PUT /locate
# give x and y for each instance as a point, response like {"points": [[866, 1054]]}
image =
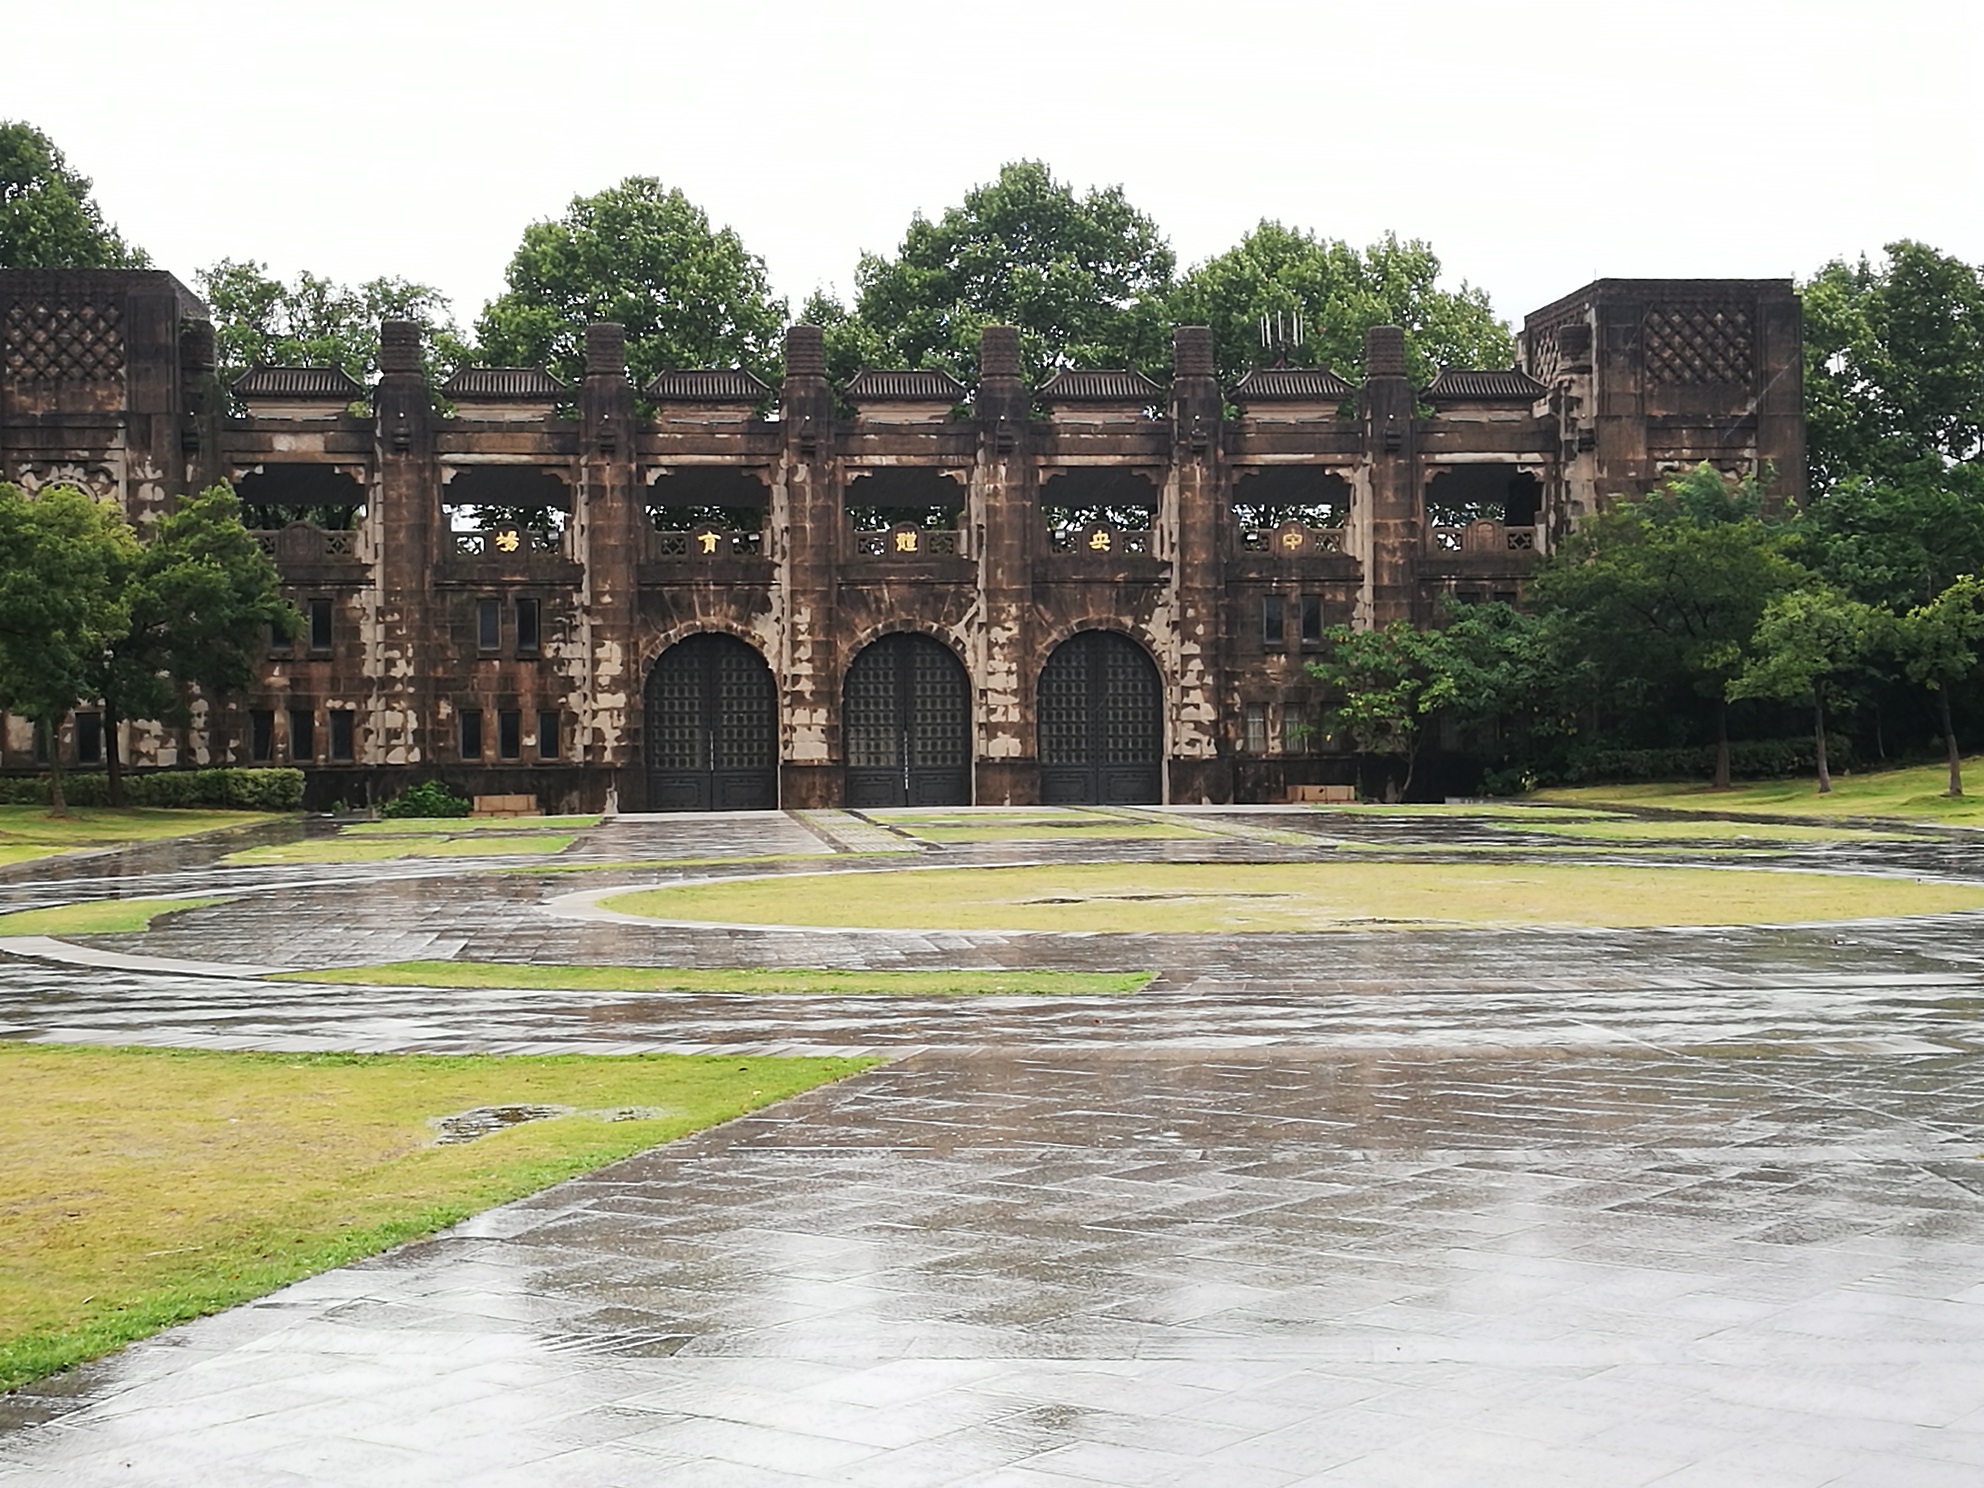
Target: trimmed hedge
{"points": [[429, 798], [1749, 759], [231, 790]]}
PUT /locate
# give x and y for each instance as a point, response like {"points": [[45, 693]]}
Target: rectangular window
{"points": [[527, 627], [261, 734], [471, 733], [547, 736], [89, 738], [488, 625], [1312, 620], [509, 734], [1254, 728], [1274, 622], [1297, 733], [302, 733], [343, 731], [320, 625], [281, 645]]}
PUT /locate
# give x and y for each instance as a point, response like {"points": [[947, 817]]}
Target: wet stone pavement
{"points": [[1691, 1208]]}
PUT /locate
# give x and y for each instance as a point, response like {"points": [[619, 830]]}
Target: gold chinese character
{"points": [[1098, 542], [905, 542], [507, 542], [707, 541], [1291, 540]]}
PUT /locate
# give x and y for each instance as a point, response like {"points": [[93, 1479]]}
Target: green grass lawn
{"points": [[345, 849], [1729, 833], [1914, 794], [97, 916], [1345, 894], [140, 1187], [763, 980], [29, 832]]}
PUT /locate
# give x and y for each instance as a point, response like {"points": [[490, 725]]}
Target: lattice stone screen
{"points": [[63, 340], [1698, 344]]}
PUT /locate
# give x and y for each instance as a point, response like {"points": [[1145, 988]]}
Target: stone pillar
{"points": [[154, 457], [1006, 536], [1193, 522], [404, 525], [604, 519], [807, 523], [1389, 536]]}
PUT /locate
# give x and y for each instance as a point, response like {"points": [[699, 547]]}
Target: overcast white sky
{"points": [[1537, 144]]}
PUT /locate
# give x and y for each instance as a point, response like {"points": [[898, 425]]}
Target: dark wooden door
{"points": [[711, 738], [906, 725], [1101, 723]]}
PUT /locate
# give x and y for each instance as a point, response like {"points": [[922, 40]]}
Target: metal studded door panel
{"points": [[906, 725], [711, 736], [1100, 722]]}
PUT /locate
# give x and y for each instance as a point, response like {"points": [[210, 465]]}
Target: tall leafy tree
{"points": [[1898, 542], [312, 321], [63, 601], [1339, 292], [201, 597], [1807, 642], [48, 218], [1664, 593], [1081, 274], [1894, 366], [1941, 645], [644, 255]]}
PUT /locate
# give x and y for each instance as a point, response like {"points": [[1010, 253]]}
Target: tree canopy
{"points": [[643, 255], [313, 321], [64, 597], [1894, 367], [1339, 292], [1082, 275], [200, 597], [48, 218]]}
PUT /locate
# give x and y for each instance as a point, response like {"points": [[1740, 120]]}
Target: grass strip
{"points": [[383, 849], [775, 981], [99, 916], [1706, 829], [428, 826], [144, 1187], [1914, 794], [1342, 893], [87, 827]]}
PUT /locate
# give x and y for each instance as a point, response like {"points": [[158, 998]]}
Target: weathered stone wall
{"points": [[106, 380]]}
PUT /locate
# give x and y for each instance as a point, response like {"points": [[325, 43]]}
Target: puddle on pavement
{"points": [[483, 1121]]}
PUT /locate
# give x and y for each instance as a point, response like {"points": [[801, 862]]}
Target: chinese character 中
{"points": [[1291, 540]]}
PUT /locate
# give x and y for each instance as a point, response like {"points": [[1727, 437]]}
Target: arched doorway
{"points": [[906, 725], [1101, 723], [711, 741]]}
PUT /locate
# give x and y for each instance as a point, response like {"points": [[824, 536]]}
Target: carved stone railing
{"points": [[301, 543], [1099, 540], [1291, 540], [1482, 538], [507, 542], [703, 544], [905, 541]]}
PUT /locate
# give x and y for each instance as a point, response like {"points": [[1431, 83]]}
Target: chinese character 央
{"points": [[1098, 542], [906, 541]]}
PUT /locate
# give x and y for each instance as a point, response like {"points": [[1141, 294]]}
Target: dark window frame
{"points": [[471, 731], [261, 735], [556, 722], [488, 625], [323, 625], [303, 732], [343, 732], [1312, 620], [1274, 622], [509, 734], [530, 634], [89, 736]]}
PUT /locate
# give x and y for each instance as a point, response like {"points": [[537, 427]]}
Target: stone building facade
{"points": [[707, 593]]}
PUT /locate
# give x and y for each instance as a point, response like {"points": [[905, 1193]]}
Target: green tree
{"points": [[1383, 682], [1807, 642], [646, 257], [1898, 543], [1666, 591], [201, 598], [1894, 366], [1940, 644], [1339, 292], [311, 321], [48, 219], [1082, 276], [63, 601]]}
